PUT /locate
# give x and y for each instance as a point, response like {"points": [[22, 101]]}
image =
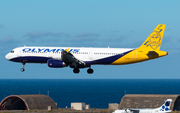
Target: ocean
{"points": [[96, 92]]}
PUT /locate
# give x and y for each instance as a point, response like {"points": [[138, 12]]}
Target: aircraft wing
{"points": [[68, 57]]}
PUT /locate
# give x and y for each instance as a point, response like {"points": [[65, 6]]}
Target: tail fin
{"points": [[153, 42], [166, 106]]}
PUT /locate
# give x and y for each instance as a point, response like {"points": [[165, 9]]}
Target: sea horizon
{"points": [[96, 92]]}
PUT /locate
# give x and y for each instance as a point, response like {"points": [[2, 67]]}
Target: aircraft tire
{"points": [[76, 70], [22, 69], [90, 71]]}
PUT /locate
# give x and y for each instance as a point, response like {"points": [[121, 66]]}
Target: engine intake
{"points": [[56, 63]]}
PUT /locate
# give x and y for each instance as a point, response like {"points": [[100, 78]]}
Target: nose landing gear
{"points": [[22, 69]]}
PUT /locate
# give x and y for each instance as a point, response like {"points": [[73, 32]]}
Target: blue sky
{"points": [[93, 23]]}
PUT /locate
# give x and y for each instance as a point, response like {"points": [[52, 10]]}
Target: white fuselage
{"points": [[89, 55]]}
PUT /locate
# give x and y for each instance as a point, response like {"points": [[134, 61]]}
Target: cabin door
{"points": [[134, 54], [90, 54]]}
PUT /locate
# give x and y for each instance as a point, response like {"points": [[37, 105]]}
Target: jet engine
{"points": [[56, 63]]}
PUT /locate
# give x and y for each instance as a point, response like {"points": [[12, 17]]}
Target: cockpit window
{"points": [[12, 51]]}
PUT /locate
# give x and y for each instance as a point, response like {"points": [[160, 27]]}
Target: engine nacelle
{"points": [[56, 63]]}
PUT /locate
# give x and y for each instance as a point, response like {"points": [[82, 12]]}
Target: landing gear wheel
{"points": [[76, 70], [22, 69], [90, 71]]}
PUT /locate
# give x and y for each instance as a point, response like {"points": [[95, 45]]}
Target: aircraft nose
{"points": [[7, 56]]}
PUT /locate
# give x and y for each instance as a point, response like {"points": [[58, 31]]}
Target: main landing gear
{"points": [[22, 69], [76, 70], [89, 71]]}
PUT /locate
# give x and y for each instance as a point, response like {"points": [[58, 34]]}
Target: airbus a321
{"points": [[81, 57], [165, 108]]}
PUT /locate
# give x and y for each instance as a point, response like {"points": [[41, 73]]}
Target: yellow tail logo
{"points": [[153, 42]]}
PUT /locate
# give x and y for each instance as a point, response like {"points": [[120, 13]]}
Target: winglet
{"points": [[153, 42]]}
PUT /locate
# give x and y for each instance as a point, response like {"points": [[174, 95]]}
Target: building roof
{"points": [[27, 102], [148, 101]]}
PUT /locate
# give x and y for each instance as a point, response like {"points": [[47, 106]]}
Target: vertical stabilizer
{"points": [[166, 106], [153, 42]]}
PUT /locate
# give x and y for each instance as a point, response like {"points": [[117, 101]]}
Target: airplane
{"points": [[81, 57], [165, 108]]}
